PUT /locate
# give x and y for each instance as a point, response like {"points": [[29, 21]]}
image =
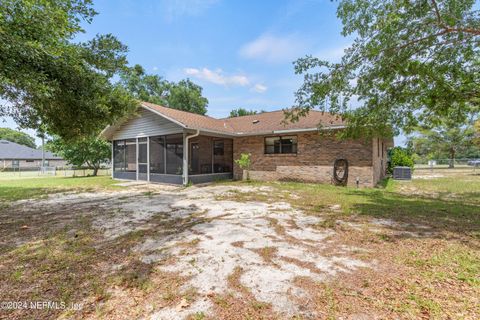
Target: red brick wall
{"points": [[313, 161], [379, 156]]}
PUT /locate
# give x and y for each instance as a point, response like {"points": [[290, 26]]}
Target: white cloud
{"points": [[217, 77], [259, 88], [274, 49], [155, 68]]}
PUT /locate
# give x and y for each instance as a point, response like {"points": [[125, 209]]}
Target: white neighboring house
{"points": [[17, 156]]}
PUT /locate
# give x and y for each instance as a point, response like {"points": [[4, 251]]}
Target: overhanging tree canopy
{"points": [[183, 95], [48, 79], [411, 63]]}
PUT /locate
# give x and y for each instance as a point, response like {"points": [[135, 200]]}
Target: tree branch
{"points": [[448, 29], [437, 13]]}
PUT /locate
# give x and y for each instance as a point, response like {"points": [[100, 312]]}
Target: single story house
{"points": [[17, 156], [161, 144]]}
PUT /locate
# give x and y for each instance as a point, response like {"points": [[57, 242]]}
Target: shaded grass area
{"points": [[464, 188], [17, 189]]}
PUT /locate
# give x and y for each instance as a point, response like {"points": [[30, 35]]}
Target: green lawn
{"points": [[17, 189], [441, 199]]}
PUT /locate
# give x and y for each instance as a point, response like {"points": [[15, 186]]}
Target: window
{"points": [[277, 145], [15, 163], [46, 163], [218, 148]]}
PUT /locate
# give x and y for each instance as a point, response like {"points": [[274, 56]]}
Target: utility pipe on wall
{"points": [[186, 140]]}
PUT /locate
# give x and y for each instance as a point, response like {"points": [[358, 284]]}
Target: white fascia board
{"points": [[219, 133], [242, 134], [310, 129]]}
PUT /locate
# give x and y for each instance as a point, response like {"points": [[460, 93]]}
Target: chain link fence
{"points": [[443, 168], [448, 163], [52, 172]]}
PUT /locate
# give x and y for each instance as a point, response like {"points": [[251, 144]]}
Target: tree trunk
{"points": [[452, 158], [95, 171]]}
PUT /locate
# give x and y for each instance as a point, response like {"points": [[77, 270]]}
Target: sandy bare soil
{"points": [[243, 251], [272, 244]]}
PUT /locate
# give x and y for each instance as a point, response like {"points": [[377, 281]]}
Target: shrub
{"points": [[399, 157], [244, 163]]}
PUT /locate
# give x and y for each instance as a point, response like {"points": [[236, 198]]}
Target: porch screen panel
{"points": [[222, 155], [200, 156], [119, 155], [157, 155], [142, 156], [174, 145], [131, 155]]}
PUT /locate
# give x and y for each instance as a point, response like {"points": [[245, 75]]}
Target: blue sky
{"points": [[240, 52]]}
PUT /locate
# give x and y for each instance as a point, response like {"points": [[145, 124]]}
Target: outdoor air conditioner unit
{"points": [[402, 173]]}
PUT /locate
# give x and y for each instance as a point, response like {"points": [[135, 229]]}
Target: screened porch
{"points": [[163, 158]]}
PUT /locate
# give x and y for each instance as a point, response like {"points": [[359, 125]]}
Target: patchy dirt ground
{"points": [[165, 252]]}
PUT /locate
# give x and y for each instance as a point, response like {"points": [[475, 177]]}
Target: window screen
{"points": [[119, 155], [174, 154], [131, 155], [157, 154]]}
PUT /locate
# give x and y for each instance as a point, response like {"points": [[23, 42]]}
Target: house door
{"points": [[142, 159], [194, 162]]}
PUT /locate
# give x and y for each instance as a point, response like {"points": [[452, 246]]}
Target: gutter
{"points": [[242, 134], [186, 139], [310, 129]]}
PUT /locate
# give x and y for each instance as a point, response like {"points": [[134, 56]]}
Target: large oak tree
{"points": [[183, 95], [411, 63], [47, 79]]}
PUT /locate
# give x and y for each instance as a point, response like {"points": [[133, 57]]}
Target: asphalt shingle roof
{"points": [[252, 124], [12, 150]]}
